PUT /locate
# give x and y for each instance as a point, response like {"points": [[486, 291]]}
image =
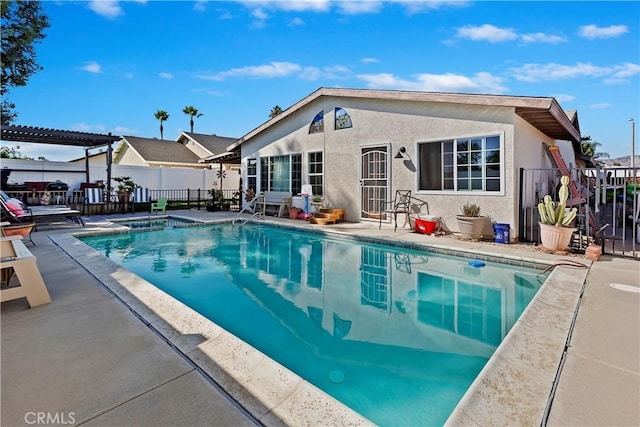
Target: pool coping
{"points": [[515, 386]]}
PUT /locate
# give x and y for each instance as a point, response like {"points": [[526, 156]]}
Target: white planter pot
{"points": [[555, 238], [471, 227]]}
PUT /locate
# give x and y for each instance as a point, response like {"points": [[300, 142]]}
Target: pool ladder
{"points": [[251, 206]]}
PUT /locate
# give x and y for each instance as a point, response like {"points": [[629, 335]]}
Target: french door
{"points": [[374, 180]]}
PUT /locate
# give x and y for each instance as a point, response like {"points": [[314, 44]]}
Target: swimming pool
{"points": [[150, 222], [398, 335]]}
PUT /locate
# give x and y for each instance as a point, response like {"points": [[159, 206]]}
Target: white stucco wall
{"points": [[404, 124]]}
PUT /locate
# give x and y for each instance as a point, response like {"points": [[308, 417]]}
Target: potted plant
{"points": [[125, 184], [470, 223], [556, 220], [125, 187], [217, 201]]}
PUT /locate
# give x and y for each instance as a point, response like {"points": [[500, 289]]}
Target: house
{"points": [[136, 151], [357, 147]]}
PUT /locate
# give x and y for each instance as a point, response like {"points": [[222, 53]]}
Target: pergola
{"points": [[37, 135]]}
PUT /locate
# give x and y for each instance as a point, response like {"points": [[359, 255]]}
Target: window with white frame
{"points": [[252, 171], [462, 164], [281, 173], [315, 167]]}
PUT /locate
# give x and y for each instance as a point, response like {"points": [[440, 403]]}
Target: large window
{"points": [[464, 164], [315, 166], [281, 173]]}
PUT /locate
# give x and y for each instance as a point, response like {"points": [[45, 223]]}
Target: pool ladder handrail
{"points": [[251, 205]]}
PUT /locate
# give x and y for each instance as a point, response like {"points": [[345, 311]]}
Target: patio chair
{"points": [[18, 260], [94, 197], [139, 195], [401, 204], [159, 206], [23, 230]]}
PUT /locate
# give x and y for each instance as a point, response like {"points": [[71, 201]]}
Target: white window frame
{"points": [[308, 168], [501, 192]]}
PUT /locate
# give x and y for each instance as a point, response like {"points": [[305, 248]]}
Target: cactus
{"points": [[557, 213]]}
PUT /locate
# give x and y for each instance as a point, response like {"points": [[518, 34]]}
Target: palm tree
{"points": [[589, 147], [162, 116], [275, 111], [192, 112]]}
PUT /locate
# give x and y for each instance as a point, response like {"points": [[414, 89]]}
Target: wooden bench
{"points": [[16, 256], [276, 203]]}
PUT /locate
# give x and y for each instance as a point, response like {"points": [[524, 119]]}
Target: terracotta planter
{"points": [[293, 213], [555, 238], [471, 227]]}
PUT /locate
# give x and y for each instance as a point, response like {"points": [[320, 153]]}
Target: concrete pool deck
{"points": [[95, 354]]}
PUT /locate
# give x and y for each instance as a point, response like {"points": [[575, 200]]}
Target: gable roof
{"points": [[213, 143], [161, 151], [544, 113]]}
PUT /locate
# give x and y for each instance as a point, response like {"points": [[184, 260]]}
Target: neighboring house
{"points": [[357, 147], [97, 158], [135, 151]]}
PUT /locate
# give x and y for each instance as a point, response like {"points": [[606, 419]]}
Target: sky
{"points": [[108, 66]]}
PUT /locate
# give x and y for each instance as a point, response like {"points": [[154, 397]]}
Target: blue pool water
{"points": [[397, 335], [166, 222]]}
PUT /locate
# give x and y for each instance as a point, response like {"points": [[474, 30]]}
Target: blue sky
{"points": [[109, 65]]}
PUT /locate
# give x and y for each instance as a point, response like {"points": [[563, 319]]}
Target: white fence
{"points": [[161, 178]]}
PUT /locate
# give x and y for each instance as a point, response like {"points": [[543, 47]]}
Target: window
{"points": [[315, 172], [252, 169], [465, 164], [317, 125], [343, 119], [281, 173]]}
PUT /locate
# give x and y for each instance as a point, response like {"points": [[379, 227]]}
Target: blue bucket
{"points": [[502, 233]]}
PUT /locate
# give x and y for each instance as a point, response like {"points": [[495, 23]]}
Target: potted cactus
{"points": [[556, 220]]}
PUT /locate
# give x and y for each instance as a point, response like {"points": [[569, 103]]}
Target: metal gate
{"points": [[608, 206]]}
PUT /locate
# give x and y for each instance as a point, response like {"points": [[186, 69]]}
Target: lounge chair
{"points": [[159, 206], [23, 230], [39, 214]]}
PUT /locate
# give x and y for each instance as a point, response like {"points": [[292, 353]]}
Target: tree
{"points": [[23, 24], [275, 111], [590, 147], [192, 112], [163, 116]]}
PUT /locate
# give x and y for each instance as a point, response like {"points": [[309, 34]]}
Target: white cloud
{"points": [[280, 69], [542, 38], [200, 5], [123, 130], [369, 60], [594, 32], [486, 32], [92, 67], [564, 97], [417, 6], [600, 105], [289, 5], [296, 22], [359, 7], [167, 76], [271, 70], [209, 92], [552, 71], [479, 83], [108, 8]]}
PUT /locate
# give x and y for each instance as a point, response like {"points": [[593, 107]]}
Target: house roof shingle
{"points": [[156, 150], [214, 143]]}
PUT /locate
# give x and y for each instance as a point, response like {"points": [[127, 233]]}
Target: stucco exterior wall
{"points": [[404, 124], [127, 156]]}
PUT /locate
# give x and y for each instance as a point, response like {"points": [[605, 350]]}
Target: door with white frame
{"points": [[374, 180]]}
